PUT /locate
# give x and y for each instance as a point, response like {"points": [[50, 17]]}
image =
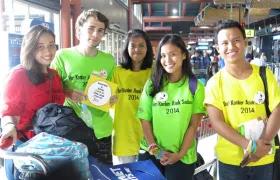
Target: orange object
{"points": [[6, 143]]}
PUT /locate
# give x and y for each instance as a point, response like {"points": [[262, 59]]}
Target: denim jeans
{"points": [[176, 171], [231, 172], [11, 172]]}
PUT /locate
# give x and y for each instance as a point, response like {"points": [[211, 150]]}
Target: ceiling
{"points": [[158, 16]]}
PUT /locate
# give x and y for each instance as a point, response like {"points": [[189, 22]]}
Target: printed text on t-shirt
{"points": [[170, 109], [80, 78], [241, 103]]}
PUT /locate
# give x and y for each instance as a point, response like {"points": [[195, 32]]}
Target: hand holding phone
{"points": [[248, 158]]}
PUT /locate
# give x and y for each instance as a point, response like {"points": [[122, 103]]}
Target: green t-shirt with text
{"points": [[74, 70], [169, 112]]}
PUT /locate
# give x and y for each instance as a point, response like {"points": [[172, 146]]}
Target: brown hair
{"points": [[82, 18], [28, 52]]}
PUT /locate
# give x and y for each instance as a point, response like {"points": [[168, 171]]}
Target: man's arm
{"points": [[273, 124], [219, 125]]}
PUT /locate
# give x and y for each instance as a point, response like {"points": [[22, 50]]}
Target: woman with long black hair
{"points": [[29, 86], [170, 113], [131, 76]]}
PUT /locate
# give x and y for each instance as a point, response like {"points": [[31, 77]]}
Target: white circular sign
{"points": [[99, 93], [259, 97], [162, 96]]}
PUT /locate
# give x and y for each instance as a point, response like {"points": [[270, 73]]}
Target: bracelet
{"points": [[152, 151], [249, 146], [10, 123], [254, 147], [151, 145], [159, 156]]}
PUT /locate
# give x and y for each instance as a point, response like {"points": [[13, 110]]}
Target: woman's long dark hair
{"points": [[126, 59], [159, 73], [28, 52]]}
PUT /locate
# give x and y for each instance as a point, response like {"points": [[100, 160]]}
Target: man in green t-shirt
{"points": [[76, 64]]}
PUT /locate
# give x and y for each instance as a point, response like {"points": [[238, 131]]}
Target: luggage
{"points": [[62, 121], [58, 152], [145, 170]]}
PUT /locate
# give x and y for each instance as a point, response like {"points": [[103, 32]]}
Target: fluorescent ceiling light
{"points": [[191, 42], [174, 11], [204, 27]]}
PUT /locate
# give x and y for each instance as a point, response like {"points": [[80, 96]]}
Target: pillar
{"points": [[65, 24], [76, 12]]}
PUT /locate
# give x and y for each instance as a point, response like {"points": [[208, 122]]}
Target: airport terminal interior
{"points": [[195, 21]]}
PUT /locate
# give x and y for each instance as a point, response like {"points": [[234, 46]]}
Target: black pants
{"points": [[177, 171], [104, 153]]}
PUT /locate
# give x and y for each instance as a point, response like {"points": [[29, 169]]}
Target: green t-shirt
{"points": [[169, 112], [74, 70]]}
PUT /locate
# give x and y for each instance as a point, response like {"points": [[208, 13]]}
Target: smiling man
{"points": [[76, 64], [226, 99]]}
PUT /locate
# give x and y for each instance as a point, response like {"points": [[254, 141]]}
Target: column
{"points": [[130, 14], [65, 24], [76, 12]]}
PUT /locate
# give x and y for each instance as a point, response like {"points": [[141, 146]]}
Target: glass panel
{"points": [[120, 48], [125, 2], [109, 43], [20, 14], [116, 47], [56, 21], [39, 14]]}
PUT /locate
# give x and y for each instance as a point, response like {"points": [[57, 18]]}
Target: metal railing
{"points": [[26, 156]]}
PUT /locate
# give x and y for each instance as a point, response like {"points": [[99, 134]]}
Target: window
{"points": [[125, 2]]}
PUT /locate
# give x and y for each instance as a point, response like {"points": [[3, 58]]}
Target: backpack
{"points": [[192, 85], [276, 163], [59, 154], [62, 121]]}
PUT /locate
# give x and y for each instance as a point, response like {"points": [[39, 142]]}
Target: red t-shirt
{"points": [[22, 98]]}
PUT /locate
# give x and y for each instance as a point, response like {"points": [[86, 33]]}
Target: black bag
{"points": [[62, 121], [276, 163], [203, 175]]}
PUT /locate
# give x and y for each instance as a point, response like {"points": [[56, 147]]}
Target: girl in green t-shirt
{"points": [[169, 112]]}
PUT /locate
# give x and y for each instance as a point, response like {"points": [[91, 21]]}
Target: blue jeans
{"points": [[231, 172], [176, 171], [11, 172]]}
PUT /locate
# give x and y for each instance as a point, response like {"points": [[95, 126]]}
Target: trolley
{"points": [[205, 130]]}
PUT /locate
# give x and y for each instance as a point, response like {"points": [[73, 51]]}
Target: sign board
{"points": [[14, 44], [250, 33]]}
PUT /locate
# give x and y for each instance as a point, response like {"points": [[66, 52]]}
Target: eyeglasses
{"points": [[99, 32]]}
